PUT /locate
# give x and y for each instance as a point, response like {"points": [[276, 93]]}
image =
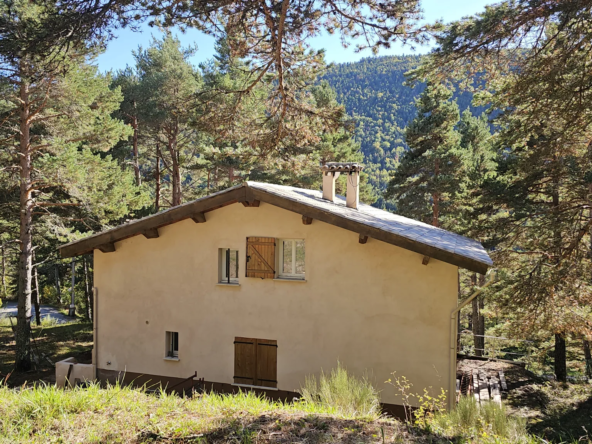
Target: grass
{"points": [[488, 420], [335, 408], [350, 396], [44, 413], [118, 414]]}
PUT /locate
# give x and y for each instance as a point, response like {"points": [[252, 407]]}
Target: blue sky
{"points": [[119, 50]]}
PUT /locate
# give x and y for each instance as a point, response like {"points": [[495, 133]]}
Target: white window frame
{"points": [[222, 279], [293, 275], [170, 352]]}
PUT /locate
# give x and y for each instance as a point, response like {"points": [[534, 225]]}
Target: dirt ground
{"points": [[50, 344]]}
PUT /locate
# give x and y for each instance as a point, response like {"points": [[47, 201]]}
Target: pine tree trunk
{"points": [[3, 271], [458, 322], [176, 175], [36, 299], [481, 282], [477, 334], [135, 150], [560, 358], [477, 321], [23, 324], [57, 283], [157, 179], [87, 291], [72, 307], [588, 358], [560, 350], [436, 198]]}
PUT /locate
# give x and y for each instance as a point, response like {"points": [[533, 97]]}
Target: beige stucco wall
{"points": [[374, 307]]}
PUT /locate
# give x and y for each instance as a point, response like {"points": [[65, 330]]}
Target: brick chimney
{"points": [[332, 170]]}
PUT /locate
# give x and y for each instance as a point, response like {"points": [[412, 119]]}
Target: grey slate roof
{"points": [[383, 220]]}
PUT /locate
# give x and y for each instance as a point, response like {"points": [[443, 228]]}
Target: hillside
{"points": [[374, 93]]}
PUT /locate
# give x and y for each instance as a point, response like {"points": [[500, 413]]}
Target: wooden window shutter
{"points": [[245, 354], [255, 362], [266, 363], [260, 257]]}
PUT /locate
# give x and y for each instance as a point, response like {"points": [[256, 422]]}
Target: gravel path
{"points": [[9, 309]]}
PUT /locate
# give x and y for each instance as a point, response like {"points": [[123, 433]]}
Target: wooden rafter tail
{"points": [[425, 260], [306, 220], [151, 233], [107, 248], [199, 218], [363, 239], [251, 204], [217, 200], [370, 231]]}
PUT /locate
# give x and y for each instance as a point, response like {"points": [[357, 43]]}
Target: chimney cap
{"points": [[342, 167]]}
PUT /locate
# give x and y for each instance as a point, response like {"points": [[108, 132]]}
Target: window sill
{"points": [[226, 284], [288, 279], [256, 387], [169, 358]]}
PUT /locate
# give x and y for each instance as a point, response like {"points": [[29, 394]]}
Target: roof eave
{"points": [[366, 230], [186, 211], [246, 193]]}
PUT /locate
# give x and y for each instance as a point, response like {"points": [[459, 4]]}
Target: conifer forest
{"points": [[488, 135]]}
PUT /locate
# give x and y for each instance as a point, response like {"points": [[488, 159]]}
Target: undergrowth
{"points": [[337, 408], [339, 390], [487, 420]]}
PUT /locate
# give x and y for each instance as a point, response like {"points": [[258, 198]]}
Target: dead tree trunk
{"points": [[23, 324]]}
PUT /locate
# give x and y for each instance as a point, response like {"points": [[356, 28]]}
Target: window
{"points": [[260, 257], [228, 269], [172, 344], [255, 362], [291, 258]]}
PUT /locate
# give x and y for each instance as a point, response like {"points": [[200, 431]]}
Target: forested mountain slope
{"points": [[374, 93]]}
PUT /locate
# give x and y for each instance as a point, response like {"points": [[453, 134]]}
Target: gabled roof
{"points": [[366, 220]]}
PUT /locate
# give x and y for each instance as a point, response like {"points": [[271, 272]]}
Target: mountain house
{"points": [[260, 285]]}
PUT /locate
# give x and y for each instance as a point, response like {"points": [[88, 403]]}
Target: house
{"points": [[260, 285]]}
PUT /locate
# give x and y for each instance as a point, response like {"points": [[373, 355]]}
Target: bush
{"points": [[348, 395], [487, 420]]}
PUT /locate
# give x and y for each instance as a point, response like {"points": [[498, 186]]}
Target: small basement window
{"points": [[228, 269], [172, 344], [291, 259]]}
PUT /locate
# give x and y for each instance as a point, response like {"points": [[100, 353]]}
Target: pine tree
{"points": [[170, 83], [538, 203], [427, 176], [53, 121], [133, 96], [477, 156]]}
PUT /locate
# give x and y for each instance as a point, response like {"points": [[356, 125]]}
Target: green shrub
{"points": [[487, 420], [348, 395]]}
